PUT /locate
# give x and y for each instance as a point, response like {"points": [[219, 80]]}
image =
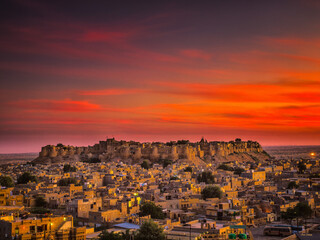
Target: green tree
{"points": [[238, 170], [149, 230], [105, 235], [26, 177], [39, 210], [289, 214], [314, 175], [225, 167], [302, 167], [174, 178], [188, 169], [150, 208], [145, 164], [211, 191], [171, 143], [41, 202], [69, 168], [292, 185], [166, 162], [6, 181], [183, 141], [67, 181], [206, 177], [303, 210]]}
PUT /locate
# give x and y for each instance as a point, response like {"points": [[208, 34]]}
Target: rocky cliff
{"points": [[134, 151]]}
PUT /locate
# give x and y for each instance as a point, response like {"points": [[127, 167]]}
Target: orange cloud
{"points": [[276, 92], [66, 105], [195, 53], [300, 58], [283, 41], [271, 89], [99, 36], [110, 92], [305, 96]]}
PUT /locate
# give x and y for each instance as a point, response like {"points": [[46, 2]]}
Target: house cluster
{"points": [[79, 199]]}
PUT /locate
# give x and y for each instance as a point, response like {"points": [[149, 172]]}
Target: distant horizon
{"points": [[263, 146]]}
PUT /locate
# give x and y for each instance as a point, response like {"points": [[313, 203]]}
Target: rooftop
{"points": [[127, 226]]}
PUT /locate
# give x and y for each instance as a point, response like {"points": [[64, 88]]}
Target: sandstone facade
{"points": [[111, 148]]}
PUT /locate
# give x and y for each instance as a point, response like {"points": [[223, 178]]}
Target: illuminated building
{"points": [[51, 228]]}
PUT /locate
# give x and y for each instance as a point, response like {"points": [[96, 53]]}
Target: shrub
{"points": [[211, 192]]}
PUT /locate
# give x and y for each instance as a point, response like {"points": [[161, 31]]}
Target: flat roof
{"points": [[127, 226], [198, 225]]}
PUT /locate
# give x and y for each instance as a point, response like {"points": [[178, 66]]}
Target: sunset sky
{"points": [[78, 72]]}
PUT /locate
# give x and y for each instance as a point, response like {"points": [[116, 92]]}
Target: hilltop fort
{"points": [[110, 149]]}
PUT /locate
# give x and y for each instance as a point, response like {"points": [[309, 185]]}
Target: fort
{"points": [[135, 151]]}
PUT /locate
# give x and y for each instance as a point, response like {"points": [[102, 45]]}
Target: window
{"points": [[32, 229]]}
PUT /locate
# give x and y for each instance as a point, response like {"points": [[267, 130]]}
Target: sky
{"points": [[77, 72]]}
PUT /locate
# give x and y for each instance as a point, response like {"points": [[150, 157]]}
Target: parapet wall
{"points": [[112, 148]]}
